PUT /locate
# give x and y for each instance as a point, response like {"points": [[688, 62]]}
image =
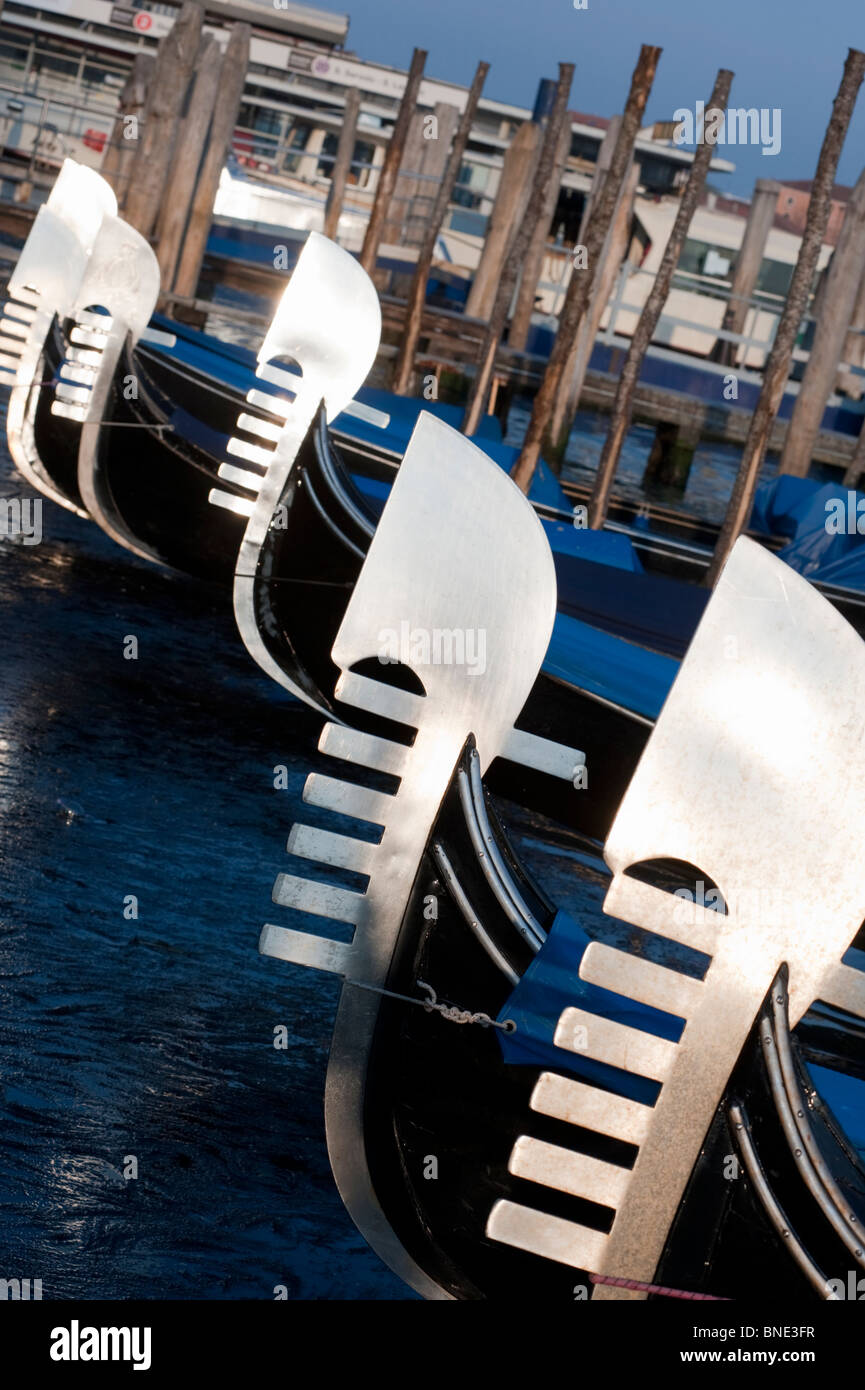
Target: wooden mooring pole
{"points": [[188, 149], [582, 280], [623, 405], [778, 366], [233, 76], [853, 351], [613, 253], [749, 258], [417, 291], [342, 164], [856, 466], [128, 126], [842, 282], [520, 242], [392, 160], [175, 62], [521, 319], [512, 199]]}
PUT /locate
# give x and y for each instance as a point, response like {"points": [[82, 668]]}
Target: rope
{"points": [[447, 1011], [638, 1286]]}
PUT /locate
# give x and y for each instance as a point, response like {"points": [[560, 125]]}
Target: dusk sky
{"points": [[784, 53]]}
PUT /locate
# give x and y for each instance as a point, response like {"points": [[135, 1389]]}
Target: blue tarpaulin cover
{"points": [[610, 667], [799, 508], [552, 984]]}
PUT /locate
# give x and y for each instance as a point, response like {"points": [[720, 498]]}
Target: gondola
{"points": [[514, 1110], [157, 428], [147, 467], [172, 403]]}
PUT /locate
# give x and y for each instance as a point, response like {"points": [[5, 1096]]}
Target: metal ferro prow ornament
{"points": [[122, 279], [329, 323], [458, 548], [44, 284], [755, 775]]}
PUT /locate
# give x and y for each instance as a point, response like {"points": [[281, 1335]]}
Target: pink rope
{"points": [[639, 1287]]}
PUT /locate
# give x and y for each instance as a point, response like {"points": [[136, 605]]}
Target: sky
{"points": [[785, 54]]}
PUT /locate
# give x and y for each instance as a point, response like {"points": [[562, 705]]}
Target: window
{"points": [[774, 278]]}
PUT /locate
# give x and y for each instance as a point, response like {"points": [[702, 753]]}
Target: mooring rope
{"points": [[661, 1289]]}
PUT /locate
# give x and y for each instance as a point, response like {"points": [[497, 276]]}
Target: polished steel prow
{"points": [[458, 550], [44, 284], [114, 303], [329, 323], [755, 775]]}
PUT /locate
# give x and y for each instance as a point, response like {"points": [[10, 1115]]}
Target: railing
{"points": [[763, 302]]}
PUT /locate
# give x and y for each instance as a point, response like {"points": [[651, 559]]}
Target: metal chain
{"points": [[432, 1005]]}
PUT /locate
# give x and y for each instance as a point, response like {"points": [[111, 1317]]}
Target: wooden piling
{"points": [[393, 228], [234, 65], [778, 366], [613, 253], [623, 405], [749, 258], [512, 199], [128, 126], [856, 466], [393, 159], [175, 61], [519, 245], [417, 292], [342, 163], [521, 318], [842, 282], [582, 281], [853, 351], [423, 166], [188, 149]]}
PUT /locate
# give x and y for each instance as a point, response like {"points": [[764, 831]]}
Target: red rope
{"points": [[639, 1287]]}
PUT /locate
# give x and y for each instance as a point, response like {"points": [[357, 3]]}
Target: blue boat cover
{"points": [[800, 508], [848, 571], [780, 504], [609, 667], [845, 1096], [552, 984]]}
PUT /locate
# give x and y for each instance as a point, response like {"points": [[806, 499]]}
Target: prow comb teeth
{"points": [[331, 850], [458, 703], [329, 322], [16, 325], [88, 339], [122, 280], [747, 756]]}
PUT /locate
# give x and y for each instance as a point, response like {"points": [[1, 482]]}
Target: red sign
{"points": [[142, 20]]}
